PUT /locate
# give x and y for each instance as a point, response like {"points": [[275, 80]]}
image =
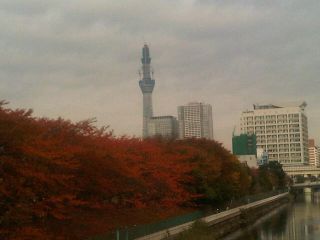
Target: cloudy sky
{"points": [[80, 59]]}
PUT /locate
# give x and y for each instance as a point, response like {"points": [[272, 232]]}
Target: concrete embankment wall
{"points": [[227, 221]]}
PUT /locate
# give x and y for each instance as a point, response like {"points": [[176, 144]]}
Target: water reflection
{"points": [[297, 221]]}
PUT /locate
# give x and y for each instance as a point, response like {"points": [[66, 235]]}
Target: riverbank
{"points": [[206, 231], [298, 220], [218, 225]]}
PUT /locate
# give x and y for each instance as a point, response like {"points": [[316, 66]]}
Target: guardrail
{"points": [[306, 184]]}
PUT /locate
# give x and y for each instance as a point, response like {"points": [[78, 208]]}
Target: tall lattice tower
{"points": [[146, 84]]}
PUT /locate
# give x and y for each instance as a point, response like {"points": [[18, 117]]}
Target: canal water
{"points": [[299, 220]]}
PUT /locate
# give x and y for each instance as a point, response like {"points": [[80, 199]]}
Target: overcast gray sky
{"points": [[79, 59]]}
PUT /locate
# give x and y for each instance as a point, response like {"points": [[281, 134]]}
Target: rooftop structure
{"points": [[279, 105]]}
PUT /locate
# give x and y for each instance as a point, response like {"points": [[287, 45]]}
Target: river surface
{"points": [[295, 221]]}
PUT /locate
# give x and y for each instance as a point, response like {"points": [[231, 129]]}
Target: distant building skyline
{"points": [[195, 120], [281, 130]]}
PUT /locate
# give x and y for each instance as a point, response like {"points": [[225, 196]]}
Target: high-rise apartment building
{"points": [[146, 84], [195, 120], [281, 130], [313, 154], [165, 126]]}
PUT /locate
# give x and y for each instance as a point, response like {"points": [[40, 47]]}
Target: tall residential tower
{"points": [[195, 121], [146, 84]]}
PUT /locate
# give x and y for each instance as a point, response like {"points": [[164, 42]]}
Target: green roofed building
{"points": [[244, 144]]}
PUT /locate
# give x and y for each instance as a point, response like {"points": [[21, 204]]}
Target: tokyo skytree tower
{"points": [[146, 84]]}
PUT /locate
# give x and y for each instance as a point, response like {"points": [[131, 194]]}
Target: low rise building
{"points": [[250, 160], [244, 144], [165, 126], [244, 147], [313, 153], [262, 157]]}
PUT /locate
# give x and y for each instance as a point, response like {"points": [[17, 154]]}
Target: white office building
{"points": [[195, 121], [281, 130], [313, 153], [165, 126]]}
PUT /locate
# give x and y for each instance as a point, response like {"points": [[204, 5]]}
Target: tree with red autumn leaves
{"points": [[56, 174]]}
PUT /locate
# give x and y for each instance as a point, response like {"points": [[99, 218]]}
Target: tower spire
{"points": [[146, 60]]}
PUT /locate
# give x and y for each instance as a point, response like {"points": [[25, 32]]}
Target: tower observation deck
{"points": [[146, 85]]}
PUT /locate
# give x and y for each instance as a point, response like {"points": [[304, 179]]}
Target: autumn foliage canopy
{"points": [[53, 172]]}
